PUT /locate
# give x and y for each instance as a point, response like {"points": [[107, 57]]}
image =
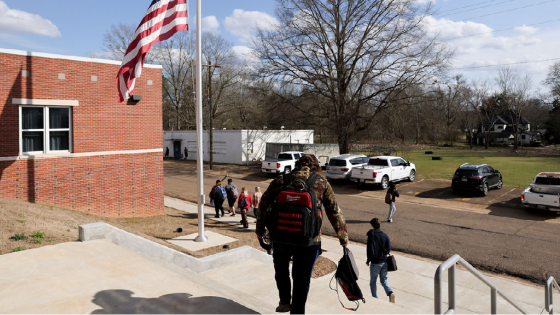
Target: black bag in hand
{"points": [[347, 276], [391, 263]]}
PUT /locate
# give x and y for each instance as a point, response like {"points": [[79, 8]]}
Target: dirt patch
{"points": [[52, 225]]}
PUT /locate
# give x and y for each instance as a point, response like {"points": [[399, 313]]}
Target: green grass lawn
{"points": [[517, 170]]}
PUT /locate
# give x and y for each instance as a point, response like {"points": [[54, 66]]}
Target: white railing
{"points": [[548, 293], [450, 266]]}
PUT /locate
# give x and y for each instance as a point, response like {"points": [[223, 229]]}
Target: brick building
{"points": [[66, 141]]}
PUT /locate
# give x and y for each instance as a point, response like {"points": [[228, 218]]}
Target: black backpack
{"points": [[346, 277], [294, 218]]}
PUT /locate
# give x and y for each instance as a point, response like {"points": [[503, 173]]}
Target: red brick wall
{"points": [[124, 185], [111, 185]]}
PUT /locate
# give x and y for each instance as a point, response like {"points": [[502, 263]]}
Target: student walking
{"points": [[232, 194], [256, 201], [166, 152], [378, 246], [218, 195], [392, 193], [186, 151], [243, 204], [302, 257]]}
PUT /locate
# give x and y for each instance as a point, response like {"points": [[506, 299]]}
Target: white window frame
{"points": [[46, 130]]}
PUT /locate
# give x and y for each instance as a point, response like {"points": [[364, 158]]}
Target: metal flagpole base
{"points": [[201, 239]]}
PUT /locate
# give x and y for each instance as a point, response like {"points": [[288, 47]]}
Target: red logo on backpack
{"points": [[294, 218]]}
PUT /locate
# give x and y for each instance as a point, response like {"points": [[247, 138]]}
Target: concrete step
{"points": [[256, 279]]}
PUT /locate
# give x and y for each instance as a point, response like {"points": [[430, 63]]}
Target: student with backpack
{"points": [[232, 194], [378, 246], [243, 204], [291, 210], [392, 193], [218, 196]]}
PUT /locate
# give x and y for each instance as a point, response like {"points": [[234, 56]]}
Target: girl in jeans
{"points": [[378, 246], [246, 197]]}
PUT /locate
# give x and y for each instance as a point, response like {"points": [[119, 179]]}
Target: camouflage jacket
{"points": [[325, 199]]}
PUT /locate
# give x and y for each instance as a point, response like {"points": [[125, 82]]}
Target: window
{"points": [[250, 148], [402, 162], [395, 162], [336, 162], [45, 129], [523, 137], [378, 162], [356, 161]]}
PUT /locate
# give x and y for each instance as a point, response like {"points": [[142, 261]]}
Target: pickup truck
{"points": [[285, 163], [543, 193], [384, 169]]}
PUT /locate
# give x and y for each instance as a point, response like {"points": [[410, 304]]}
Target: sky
{"points": [[518, 32]]}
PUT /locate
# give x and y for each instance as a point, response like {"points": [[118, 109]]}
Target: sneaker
{"points": [[392, 297], [283, 308], [216, 216], [390, 220], [232, 215], [222, 214]]}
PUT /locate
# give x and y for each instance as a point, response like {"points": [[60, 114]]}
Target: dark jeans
{"points": [[304, 259], [218, 206]]}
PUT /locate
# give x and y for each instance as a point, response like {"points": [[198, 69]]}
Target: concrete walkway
{"points": [[99, 277], [413, 283]]}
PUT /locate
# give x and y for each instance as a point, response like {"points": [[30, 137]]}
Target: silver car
{"points": [[340, 166]]}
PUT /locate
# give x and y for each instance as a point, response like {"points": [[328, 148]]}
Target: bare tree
{"points": [[176, 55], [357, 55], [553, 79], [514, 97], [116, 40]]}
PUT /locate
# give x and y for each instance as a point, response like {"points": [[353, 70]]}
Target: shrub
{"points": [[18, 237], [18, 249], [38, 235]]}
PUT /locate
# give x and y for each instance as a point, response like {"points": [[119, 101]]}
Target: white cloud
{"points": [[487, 48], [245, 54], [16, 21], [526, 29], [210, 24], [243, 23]]}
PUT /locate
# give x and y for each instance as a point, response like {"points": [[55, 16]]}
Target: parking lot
{"points": [[493, 232]]}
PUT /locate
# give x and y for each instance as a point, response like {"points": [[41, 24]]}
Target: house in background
{"points": [[66, 141], [501, 133], [233, 146]]}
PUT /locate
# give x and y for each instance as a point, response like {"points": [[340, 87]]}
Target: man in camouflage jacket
{"points": [[304, 258]]}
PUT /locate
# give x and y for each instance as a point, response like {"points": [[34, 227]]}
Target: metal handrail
{"points": [[450, 265], [548, 291]]}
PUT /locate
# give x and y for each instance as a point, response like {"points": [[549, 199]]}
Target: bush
{"points": [[38, 235], [18, 249], [18, 237]]}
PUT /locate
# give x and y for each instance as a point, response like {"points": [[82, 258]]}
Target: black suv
{"points": [[476, 177]]}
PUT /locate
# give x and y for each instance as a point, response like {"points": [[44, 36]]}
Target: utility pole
{"points": [[210, 114]]}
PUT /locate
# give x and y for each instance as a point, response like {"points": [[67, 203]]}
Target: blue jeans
{"points": [[304, 259], [381, 271]]}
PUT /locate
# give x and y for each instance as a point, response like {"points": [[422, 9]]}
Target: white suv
{"points": [[341, 166]]}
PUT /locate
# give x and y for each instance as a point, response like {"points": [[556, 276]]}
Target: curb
{"points": [[102, 230]]}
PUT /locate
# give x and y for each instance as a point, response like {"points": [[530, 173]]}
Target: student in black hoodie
{"points": [[378, 246]]}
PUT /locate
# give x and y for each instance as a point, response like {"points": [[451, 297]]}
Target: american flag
{"points": [[163, 19]]}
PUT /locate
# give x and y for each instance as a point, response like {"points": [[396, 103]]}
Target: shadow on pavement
{"points": [[513, 209], [122, 302]]}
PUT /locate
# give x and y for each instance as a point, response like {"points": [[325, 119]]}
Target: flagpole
{"points": [[199, 131]]}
